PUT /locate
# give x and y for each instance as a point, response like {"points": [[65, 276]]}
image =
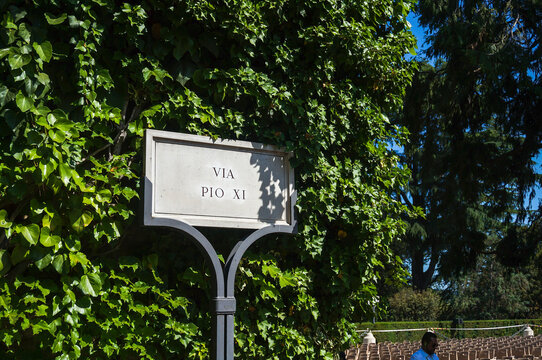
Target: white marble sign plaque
{"points": [[216, 183]]}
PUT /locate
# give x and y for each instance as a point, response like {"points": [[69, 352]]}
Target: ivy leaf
{"points": [[43, 78], [272, 270], [5, 262], [41, 110], [73, 243], [52, 20], [24, 33], [104, 77], [181, 46], [24, 103], [287, 280], [44, 51], [4, 52], [58, 262], [65, 173], [17, 61], [31, 233], [129, 193], [4, 91], [59, 119], [78, 258], [18, 254], [57, 344], [44, 261], [4, 223], [47, 166], [90, 284], [48, 240], [63, 124], [82, 221], [103, 196], [57, 135]]}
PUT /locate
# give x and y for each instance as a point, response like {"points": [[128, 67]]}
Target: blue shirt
{"points": [[422, 355]]}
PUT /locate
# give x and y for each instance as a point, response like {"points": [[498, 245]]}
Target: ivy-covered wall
{"points": [[80, 80]]}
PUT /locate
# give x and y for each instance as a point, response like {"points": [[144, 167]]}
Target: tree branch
{"points": [[121, 136]]}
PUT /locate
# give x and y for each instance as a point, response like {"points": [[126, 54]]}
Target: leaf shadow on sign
{"points": [[273, 181]]}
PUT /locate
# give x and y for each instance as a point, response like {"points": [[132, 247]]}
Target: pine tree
{"points": [[475, 127]]}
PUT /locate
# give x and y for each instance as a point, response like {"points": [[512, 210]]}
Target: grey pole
{"points": [[223, 304], [231, 268]]}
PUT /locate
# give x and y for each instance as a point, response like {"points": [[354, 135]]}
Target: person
{"points": [[429, 345]]}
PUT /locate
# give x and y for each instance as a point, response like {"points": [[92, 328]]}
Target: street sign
{"points": [[216, 183]]}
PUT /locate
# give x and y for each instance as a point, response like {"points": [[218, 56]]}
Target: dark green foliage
{"points": [[493, 291], [475, 126], [81, 80], [411, 305]]}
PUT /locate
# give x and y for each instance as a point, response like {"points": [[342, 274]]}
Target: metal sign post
{"points": [[194, 181]]}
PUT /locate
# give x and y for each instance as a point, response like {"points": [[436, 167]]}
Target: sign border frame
{"points": [[150, 217]]}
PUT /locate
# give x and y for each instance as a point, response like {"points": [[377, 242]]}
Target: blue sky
{"points": [[417, 30], [419, 33]]}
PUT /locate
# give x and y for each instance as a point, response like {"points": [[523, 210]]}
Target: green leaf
{"points": [[55, 116], [43, 78], [44, 51], [129, 193], [272, 270], [103, 195], [58, 262], [4, 52], [31, 233], [65, 173], [4, 222], [147, 73], [57, 344], [82, 221], [153, 259], [41, 110], [4, 98], [24, 33], [5, 261], [287, 280], [57, 135], [24, 103], [52, 20], [48, 240], [47, 166], [44, 261], [104, 77], [90, 284], [183, 44], [128, 262], [17, 61], [18, 254], [78, 258], [72, 243], [63, 124]]}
